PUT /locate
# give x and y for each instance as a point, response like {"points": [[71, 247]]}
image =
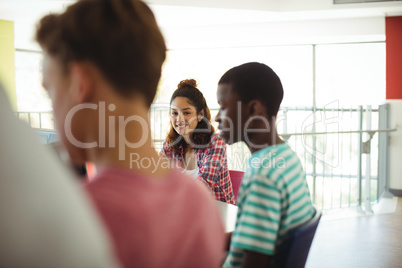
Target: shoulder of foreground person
{"points": [[198, 193], [175, 186], [206, 224], [189, 215]]}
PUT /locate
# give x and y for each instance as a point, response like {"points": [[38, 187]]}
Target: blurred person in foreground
{"points": [[102, 64], [46, 218], [274, 197]]}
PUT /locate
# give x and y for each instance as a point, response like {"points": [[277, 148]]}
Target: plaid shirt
{"points": [[213, 167]]}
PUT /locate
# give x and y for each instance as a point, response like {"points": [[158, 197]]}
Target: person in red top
{"points": [[193, 144], [102, 64]]}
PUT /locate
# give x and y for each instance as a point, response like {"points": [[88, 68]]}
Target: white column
{"points": [[395, 145]]}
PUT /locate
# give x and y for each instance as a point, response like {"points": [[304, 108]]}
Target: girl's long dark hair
{"points": [[188, 89]]}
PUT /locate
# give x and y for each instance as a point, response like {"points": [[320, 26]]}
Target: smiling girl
{"points": [[193, 143]]}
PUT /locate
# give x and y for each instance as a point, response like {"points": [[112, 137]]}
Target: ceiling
{"points": [[179, 15], [209, 12]]}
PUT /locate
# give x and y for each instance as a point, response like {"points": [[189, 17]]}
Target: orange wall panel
{"points": [[393, 32]]}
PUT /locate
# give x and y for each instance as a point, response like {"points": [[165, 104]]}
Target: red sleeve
{"points": [[169, 153], [212, 162], [165, 150], [214, 170]]}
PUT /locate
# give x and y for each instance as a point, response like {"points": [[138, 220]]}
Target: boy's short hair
{"points": [[256, 81], [121, 37]]}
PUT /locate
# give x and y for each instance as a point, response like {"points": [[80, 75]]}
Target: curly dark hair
{"points": [[188, 89], [256, 81]]}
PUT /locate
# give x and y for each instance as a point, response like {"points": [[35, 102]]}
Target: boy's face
{"points": [[57, 83], [231, 115]]}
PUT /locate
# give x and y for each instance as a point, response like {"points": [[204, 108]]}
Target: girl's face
{"points": [[183, 116]]}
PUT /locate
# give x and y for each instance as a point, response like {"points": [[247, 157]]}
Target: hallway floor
{"points": [[356, 240]]}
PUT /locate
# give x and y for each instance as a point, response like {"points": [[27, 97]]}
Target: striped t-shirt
{"points": [[274, 198]]}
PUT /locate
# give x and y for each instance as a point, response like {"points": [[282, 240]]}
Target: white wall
{"points": [[280, 5], [273, 33], [271, 5], [25, 15], [233, 22], [395, 145]]}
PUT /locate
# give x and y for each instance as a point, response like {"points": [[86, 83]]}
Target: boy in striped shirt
{"points": [[274, 197]]}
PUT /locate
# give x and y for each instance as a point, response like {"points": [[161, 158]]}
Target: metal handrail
{"points": [[371, 132]]}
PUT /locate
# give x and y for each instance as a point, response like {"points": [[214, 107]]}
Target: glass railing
{"points": [[339, 148]]}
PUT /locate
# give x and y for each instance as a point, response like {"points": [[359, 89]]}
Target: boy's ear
{"points": [[255, 107], [81, 82]]}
